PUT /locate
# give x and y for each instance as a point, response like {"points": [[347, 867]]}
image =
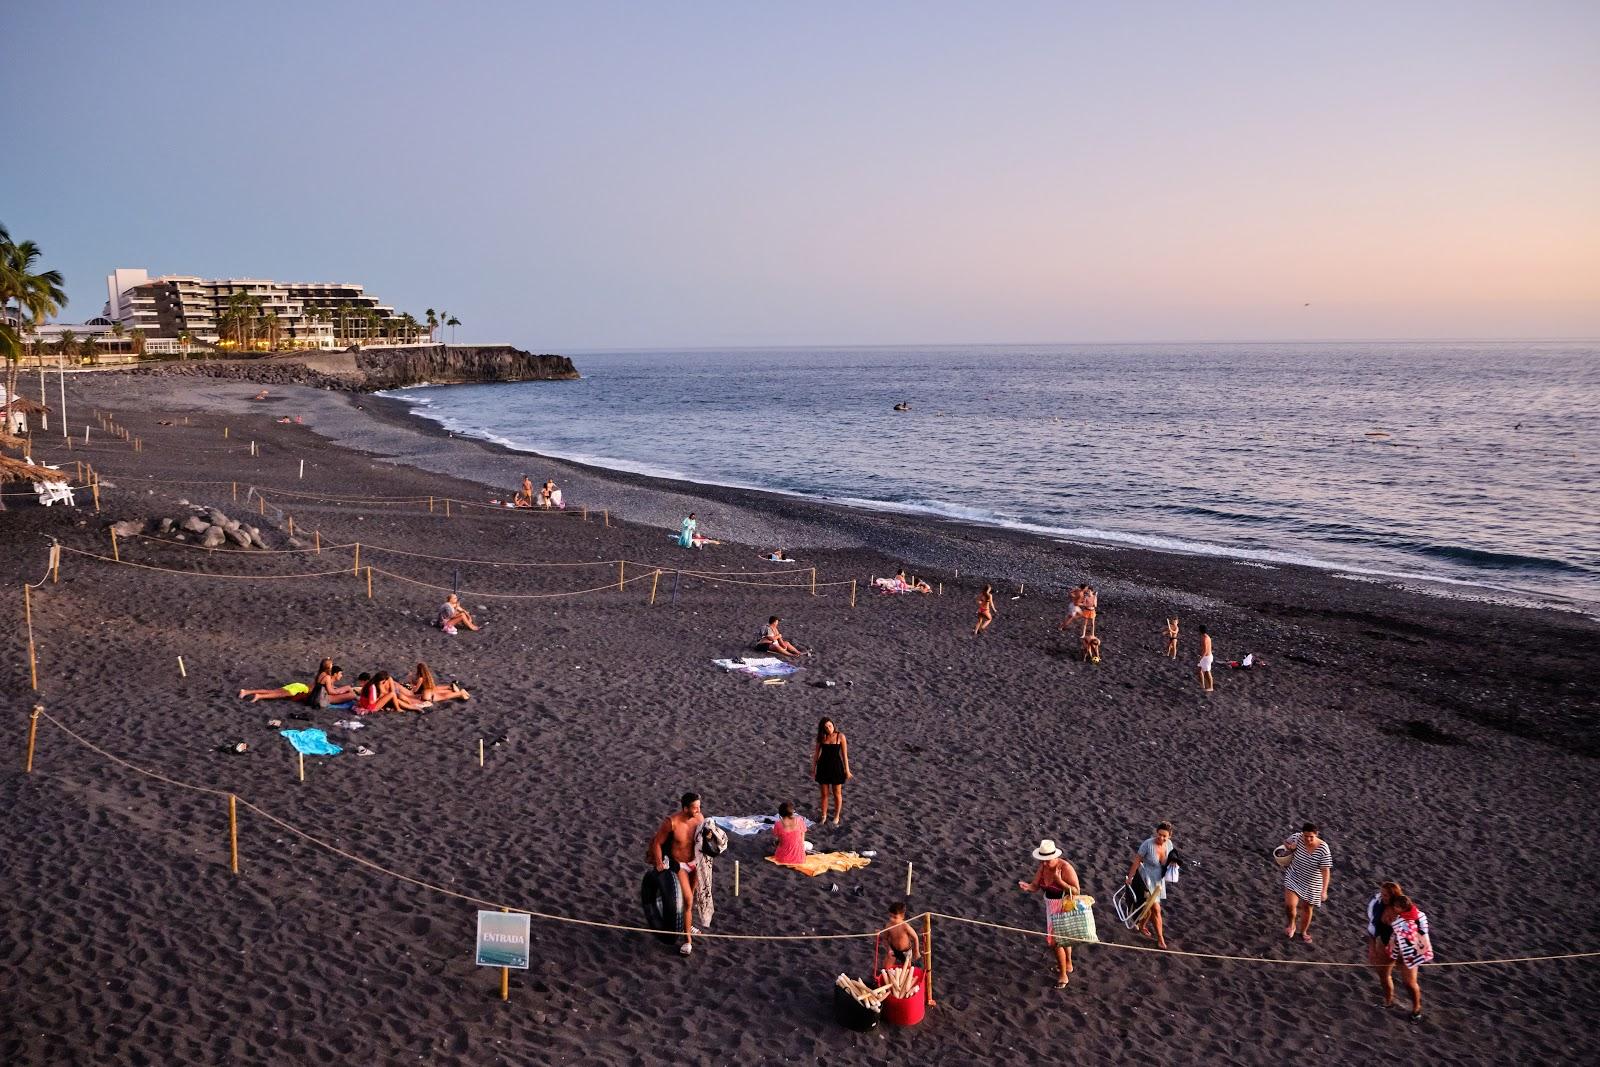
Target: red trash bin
{"points": [[906, 1011]]}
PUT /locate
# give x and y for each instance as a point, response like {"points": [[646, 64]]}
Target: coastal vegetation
{"points": [[28, 294]]}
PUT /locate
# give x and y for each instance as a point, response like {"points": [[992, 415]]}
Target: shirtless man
{"points": [[1075, 607], [1205, 661], [673, 847], [524, 497]]}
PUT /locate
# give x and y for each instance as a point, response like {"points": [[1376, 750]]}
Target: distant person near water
{"points": [[1057, 880], [1306, 880], [1171, 635], [673, 848], [524, 495], [985, 610], [1204, 666], [790, 830], [830, 766], [1149, 865], [1090, 607]]}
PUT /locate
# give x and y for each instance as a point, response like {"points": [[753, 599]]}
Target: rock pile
{"points": [[207, 526]]}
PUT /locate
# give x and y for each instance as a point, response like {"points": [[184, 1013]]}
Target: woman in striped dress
{"points": [[1306, 881]]}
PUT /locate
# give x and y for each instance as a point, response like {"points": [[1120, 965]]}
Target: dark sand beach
{"points": [[1445, 742]]}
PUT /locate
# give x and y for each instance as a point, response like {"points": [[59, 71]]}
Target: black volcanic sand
{"points": [[1445, 743]]}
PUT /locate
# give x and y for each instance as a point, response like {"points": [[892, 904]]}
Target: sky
{"points": [[570, 176]]}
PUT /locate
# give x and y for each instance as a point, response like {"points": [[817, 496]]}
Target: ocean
{"points": [[1461, 462]]}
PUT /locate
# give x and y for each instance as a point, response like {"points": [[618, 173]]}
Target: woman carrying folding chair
{"points": [[1150, 867]]}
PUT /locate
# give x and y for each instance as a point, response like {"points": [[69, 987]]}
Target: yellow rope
{"points": [[510, 596], [202, 574]]}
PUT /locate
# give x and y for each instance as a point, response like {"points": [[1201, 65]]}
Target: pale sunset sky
{"points": [[588, 175]]}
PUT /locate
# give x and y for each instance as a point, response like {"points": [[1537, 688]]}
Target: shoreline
{"points": [[1451, 745]]}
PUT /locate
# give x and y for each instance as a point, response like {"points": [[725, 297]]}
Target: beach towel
{"points": [[713, 842], [823, 862], [311, 742], [758, 666], [749, 825]]}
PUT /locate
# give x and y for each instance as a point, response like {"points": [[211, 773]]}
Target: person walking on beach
{"points": [[1379, 934], [830, 766], [1058, 881], [673, 848], [985, 610], [1171, 634], [1204, 666], [1410, 946], [1150, 865], [1306, 880]]}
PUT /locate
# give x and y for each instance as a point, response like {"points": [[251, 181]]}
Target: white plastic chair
{"points": [[52, 492]]}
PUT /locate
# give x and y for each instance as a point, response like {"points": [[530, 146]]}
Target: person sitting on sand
{"points": [[777, 556], [790, 830], [329, 688], [524, 495], [1058, 881], [1171, 636], [985, 610], [452, 614], [424, 686], [1091, 649], [904, 586], [380, 693], [687, 532], [900, 938], [772, 640]]}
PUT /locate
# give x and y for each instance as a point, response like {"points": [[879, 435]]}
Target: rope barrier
{"points": [[509, 596], [626, 928], [202, 574]]}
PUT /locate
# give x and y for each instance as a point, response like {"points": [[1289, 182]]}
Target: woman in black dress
{"points": [[830, 766]]}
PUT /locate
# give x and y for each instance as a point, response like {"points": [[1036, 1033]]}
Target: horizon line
{"points": [[1579, 339]]}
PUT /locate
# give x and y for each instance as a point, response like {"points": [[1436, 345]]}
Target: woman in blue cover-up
{"points": [[686, 532]]}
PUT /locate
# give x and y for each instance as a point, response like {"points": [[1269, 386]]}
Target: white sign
{"points": [[504, 939]]}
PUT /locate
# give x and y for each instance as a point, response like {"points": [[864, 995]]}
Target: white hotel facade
{"points": [[308, 313]]}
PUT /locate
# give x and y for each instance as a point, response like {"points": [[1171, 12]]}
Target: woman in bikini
{"points": [[985, 610], [1171, 634], [381, 693], [296, 691], [424, 686]]}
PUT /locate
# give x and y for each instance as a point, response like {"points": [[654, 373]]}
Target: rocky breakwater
{"points": [[205, 526], [369, 369]]}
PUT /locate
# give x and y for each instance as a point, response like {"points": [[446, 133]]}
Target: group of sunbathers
{"points": [[901, 584], [371, 693], [548, 495]]}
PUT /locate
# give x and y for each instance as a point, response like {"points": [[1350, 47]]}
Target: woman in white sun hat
{"points": [[1057, 880]]}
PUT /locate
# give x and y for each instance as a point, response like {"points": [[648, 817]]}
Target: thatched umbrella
{"points": [[15, 470], [27, 406]]}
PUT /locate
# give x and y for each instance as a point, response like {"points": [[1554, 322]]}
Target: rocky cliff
{"points": [[369, 369]]}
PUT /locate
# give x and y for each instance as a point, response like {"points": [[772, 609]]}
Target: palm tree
{"points": [[68, 346], [185, 339], [433, 322], [344, 323], [37, 295], [452, 322], [137, 336]]}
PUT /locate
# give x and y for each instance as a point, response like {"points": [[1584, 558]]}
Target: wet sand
{"points": [[1446, 743]]}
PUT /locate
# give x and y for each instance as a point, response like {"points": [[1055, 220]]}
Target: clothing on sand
{"points": [[710, 843], [823, 862], [311, 742]]}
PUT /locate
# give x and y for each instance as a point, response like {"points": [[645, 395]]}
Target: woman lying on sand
{"points": [[425, 687], [296, 691], [380, 693]]}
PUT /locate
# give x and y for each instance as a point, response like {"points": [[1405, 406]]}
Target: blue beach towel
{"points": [[311, 742]]}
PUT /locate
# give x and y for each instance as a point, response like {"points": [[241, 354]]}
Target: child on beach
{"points": [[900, 937], [1171, 634], [985, 610]]}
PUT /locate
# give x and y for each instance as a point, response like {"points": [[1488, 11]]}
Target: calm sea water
{"points": [[1489, 473]]}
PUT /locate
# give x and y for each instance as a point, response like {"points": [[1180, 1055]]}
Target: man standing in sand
{"points": [[1205, 661], [673, 847]]}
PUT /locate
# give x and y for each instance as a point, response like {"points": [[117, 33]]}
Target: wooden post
{"points": [[235, 491], [33, 732], [447, 507], [654, 580], [622, 570], [291, 525], [94, 487], [302, 756], [369, 583], [480, 752], [735, 877], [941, 589], [262, 501], [607, 515], [316, 537], [1021, 587], [908, 881], [302, 469], [27, 615], [356, 567], [55, 563], [852, 592], [430, 505], [586, 513], [813, 581], [86, 435], [116, 555], [182, 673], [505, 977], [927, 955], [233, 832], [224, 433]]}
